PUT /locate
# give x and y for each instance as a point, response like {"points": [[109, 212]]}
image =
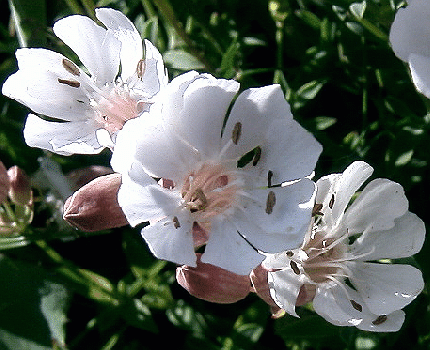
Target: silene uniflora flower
{"points": [[410, 40], [345, 263], [208, 193], [82, 109]]}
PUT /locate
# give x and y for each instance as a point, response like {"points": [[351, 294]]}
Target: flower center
{"points": [[210, 191], [323, 259], [114, 110]]}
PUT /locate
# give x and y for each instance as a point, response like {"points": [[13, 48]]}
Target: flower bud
{"points": [[4, 183], [260, 286], [94, 207], [20, 189], [212, 283]]}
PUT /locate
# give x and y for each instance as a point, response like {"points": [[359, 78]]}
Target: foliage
{"points": [[62, 288]]}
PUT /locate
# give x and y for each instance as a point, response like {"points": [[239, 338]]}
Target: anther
{"points": [[379, 320], [71, 83], [176, 223], [140, 69], [295, 268], [200, 195], [257, 155], [271, 201], [356, 305], [235, 135], [317, 209], [269, 178], [71, 67], [331, 203], [289, 253]]}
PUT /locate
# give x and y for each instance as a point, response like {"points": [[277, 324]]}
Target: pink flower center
{"points": [[112, 112], [210, 191]]}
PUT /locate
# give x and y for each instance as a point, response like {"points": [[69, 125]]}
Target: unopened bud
{"points": [[212, 283], [94, 207], [4, 183], [20, 188], [260, 286]]}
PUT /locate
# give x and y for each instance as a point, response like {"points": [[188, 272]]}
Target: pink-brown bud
{"points": [[212, 283], [260, 286], [94, 207], [4, 183], [20, 188]]}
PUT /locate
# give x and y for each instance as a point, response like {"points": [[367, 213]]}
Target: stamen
{"points": [[379, 320], [356, 305], [235, 135], [176, 223], [140, 69], [257, 155], [269, 178], [331, 203], [270, 203], [71, 67], [289, 253], [294, 267], [72, 83], [317, 210]]}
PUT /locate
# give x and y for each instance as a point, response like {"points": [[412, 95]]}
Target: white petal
{"points": [[410, 31], [197, 113], [342, 189], [403, 240], [96, 47], [142, 199], [276, 261], [127, 34], [420, 72], [375, 209], [36, 85], [228, 250], [169, 242], [287, 150], [386, 288], [284, 289], [155, 75], [63, 138], [161, 152], [342, 306], [285, 225]]}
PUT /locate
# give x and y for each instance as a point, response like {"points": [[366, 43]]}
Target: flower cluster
{"points": [[222, 178]]}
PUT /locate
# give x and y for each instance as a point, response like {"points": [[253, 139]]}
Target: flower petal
{"points": [[228, 250], [375, 209], [420, 72], [171, 241], [142, 199], [266, 121], [411, 29], [277, 218], [284, 289], [37, 84], [125, 31], [386, 288], [63, 138], [97, 48], [403, 240], [334, 192], [343, 306]]}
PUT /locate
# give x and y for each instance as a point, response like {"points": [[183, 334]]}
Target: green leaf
{"points": [[32, 307], [179, 59]]}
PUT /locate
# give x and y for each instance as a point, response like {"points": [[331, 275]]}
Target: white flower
{"points": [[410, 40], [85, 111], [205, 197], [341, 255]]}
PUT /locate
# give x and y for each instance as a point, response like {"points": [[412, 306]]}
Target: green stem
{"points": [[74, 6]]}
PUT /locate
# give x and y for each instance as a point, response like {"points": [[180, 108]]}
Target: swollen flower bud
{"points": [[20, 189], [212, 283], [4, 183], [94, 207]]}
